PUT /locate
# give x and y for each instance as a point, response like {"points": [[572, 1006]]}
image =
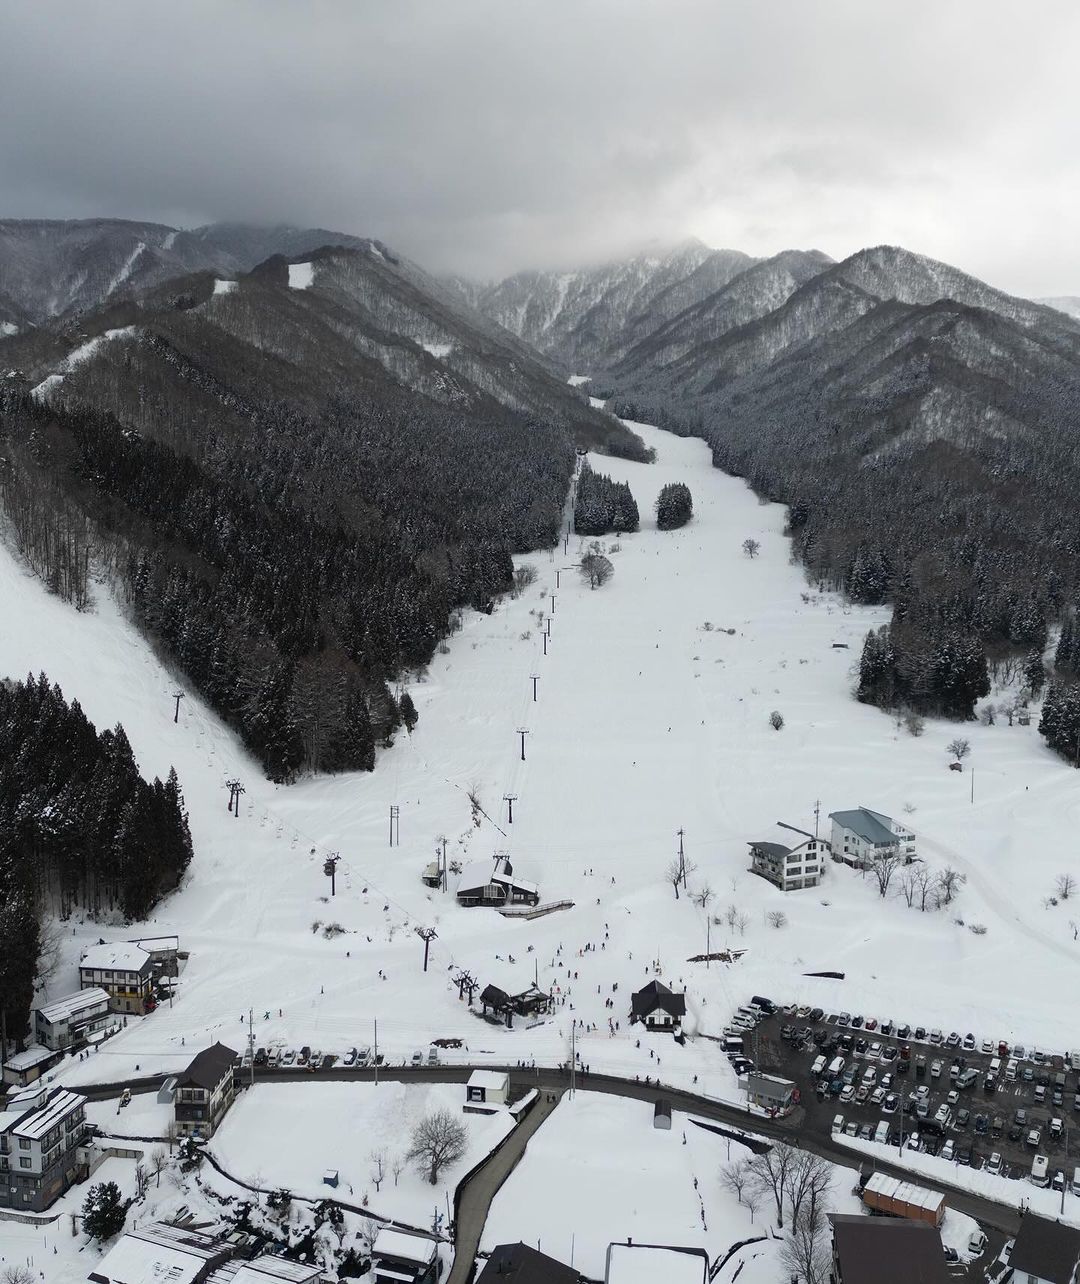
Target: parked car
{"points": [[862, 1094], [305, 1054], [273, 1060], [844, 1018], [433, 1056], [953, 1041], [1034, 1137], [993, 1164], [866, 1132], [871, 1023], [838, 1123], [943, 1115], [888, 1106], [350, 1057], [860, 1047], [986, 1047], [856, 1022], [852, 1129], [969, 1042], [890, 1053], [936, 1036], [260, 1056], [947, 1149], [363, 1056], [877, 1096], [289, 1058], [417, 1059], [874, 1054], [977, 1243], [963, 1156], [887, 1027], [953, 1098], [963, 1117], [982, 1125], [902, 1031]]}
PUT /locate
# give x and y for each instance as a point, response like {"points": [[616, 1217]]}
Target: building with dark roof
{"points": [[862, 836], [789, 858], [886, 1250], [204, 1091], [1046, 1252], [657, 1007], [520, 1264]]}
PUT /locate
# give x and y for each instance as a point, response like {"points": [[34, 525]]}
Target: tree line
{"points": [[602, 505], [79, 829]]}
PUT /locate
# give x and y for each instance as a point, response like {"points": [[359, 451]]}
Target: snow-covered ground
{"points": [[76, 357], [652, 715], [227, 287], [301, 275], [320, 1126], [437, 350], [598, 1172]]}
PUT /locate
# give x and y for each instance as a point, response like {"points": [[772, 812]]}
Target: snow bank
{"points": [[301, 275], [227, 287], [576, 381], [439, 350]]}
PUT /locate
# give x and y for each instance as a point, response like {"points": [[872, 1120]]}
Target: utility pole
{"points": [[395, 826], [573, 1057], [510, 799], [534, 678], [682, 857], [817, 815], [973, 786], [553, 604], [442, 861], [375, 1053], [427, 935], [330, 870], [545, 637], [708, 935], [177, 696], [251, 1049], [522, 732]]}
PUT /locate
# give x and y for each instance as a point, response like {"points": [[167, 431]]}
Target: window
{"points": [[24, 1143], [25, 1163]]}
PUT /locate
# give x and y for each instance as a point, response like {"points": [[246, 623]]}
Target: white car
{"points": [[977, 1243], [948, 1149], [993, 1164]]}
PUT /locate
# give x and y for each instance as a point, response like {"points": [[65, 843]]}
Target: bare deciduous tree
{"points": [[741, 920], [883, 868], [18, 1275], [776, 720], [159, 1161], [805, 1253], [437, 1140], [378, 1168], [777, 918], [674, 873], [735, 1176], [949, 882], [959, 748], [596, 570], [703, 896], [770, 1175], [751, 548], [1064, 886]]}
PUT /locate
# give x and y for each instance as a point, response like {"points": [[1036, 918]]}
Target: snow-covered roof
{"points": [[158, 1254], [894, 1188], [34, 1122], [73, 1005], [651, 1264], [488, 1079], [33, 1056], [395, 1243], [121, 956], [479, 873], [269, 1267]]}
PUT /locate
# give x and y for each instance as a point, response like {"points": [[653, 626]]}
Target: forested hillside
{"points": [[79, 829]]}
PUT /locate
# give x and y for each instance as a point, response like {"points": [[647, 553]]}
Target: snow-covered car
{"points": [[969, 1043], [349, 1058], [889, 1105], [363, 1056], [935, 1069], [877, 1096], [953, 1041], [273, 1059], [948, 1149], [993, 1164], [874, 1052], [914, 1141], [886, 1082], [871, 1024], [953, 1098], [417, 1059], [433, 1056], [838, 1123], [943, 1114], [862, 1094], [890, 1053], [852, 1129], [289, 1057], [936, 1036], [866, 1132], [976, 1242], [986, 1047], [847, 1093]]}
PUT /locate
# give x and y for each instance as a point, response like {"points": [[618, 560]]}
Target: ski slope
{"points": [[652, 715]]}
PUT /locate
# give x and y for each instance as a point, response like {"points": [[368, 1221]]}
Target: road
{"points": [[481, 1189]]}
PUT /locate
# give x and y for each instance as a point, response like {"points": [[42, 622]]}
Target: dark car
{"points": [[816, 1014], [1020, 1117], [856, 1022], [902, 1031], [766, 1005], [846, 1041], [901, 1067], [837, 1086], [890, 1053], [260, 1056], [887, 1028], [963, 1156], [787, 1033], [860, 1047], [963, 1117], [1015, 1132], [982, 1125]]}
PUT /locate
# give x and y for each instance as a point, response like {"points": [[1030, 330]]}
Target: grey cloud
{"points": [[489, 136]]}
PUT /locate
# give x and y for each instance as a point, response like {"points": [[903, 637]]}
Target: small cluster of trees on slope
{"points": [[602, 505], [292, 582], [79, 828], [674, 506]]}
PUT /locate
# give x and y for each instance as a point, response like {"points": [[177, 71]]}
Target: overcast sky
{"points": [[485, 137]]}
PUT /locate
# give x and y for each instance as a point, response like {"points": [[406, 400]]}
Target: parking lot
{"points": [[983, 1104]]}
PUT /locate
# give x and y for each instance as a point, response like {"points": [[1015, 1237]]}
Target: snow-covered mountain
{"points": [[587, 318], [50, 268]]}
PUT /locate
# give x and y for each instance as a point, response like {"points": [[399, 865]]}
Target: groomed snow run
{"points": [[227, 287], [76, 357], [437, 350], [301, 275]]}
